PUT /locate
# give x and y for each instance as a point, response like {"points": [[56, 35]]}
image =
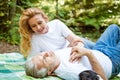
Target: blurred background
{"points": [[87, 18]]}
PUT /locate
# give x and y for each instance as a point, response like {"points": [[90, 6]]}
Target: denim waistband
{"points": [[115, 69]]}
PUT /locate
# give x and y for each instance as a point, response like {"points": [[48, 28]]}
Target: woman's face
{"points": [[38, 24]]}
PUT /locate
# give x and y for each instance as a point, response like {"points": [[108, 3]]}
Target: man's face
{"points": [[45, 60]]}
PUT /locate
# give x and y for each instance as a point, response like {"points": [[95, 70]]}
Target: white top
{"points": [[53, 40], [70, 71]]}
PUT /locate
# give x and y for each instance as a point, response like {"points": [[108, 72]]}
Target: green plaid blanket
{"points": [[12, 68]]}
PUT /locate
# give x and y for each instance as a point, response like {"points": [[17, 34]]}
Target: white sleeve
{"points": [[35, 49], [64, 29]]}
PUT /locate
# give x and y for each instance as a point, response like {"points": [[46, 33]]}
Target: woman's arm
{"points": [[74, 40], [69, 35], [78, 52]]}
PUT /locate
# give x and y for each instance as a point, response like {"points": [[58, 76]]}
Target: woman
{"points": [[38, 34]]}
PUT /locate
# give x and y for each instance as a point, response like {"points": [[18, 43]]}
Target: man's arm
{"points": [[78, 52], [95, 65]]}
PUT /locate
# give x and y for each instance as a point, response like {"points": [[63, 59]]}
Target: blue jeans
{"points": [[109, 44], [87, 43]]}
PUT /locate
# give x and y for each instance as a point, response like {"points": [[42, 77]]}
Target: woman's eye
{"points": [[40, 22], [33, 26]]}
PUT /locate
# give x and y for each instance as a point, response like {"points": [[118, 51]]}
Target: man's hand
{"points": [[77, 52]]}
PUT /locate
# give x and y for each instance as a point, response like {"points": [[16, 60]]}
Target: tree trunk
{"points": [[57, 15], [12, 9], [4, 15]]}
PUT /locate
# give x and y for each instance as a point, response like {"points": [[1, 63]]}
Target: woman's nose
{"points": [[38, 27]]}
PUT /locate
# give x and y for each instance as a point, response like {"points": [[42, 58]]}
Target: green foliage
{"points": [[27, 3], [81, 16], [13, 32], [14, 37], [115, 78], [90, 21], [93, 14], [3, 36], [2, 14], [9, 14]]}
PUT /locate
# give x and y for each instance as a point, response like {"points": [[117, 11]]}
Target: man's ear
{"points": [[51, 72]]}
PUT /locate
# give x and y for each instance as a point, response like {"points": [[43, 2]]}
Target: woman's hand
{"points": [[77, 52], [76, 42]]}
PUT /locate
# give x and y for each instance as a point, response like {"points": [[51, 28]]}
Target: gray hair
{"points": [[31, 69]]}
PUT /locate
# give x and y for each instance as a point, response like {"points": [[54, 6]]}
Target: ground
{"points": [[5, 47]]}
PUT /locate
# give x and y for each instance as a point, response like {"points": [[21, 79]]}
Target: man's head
{"points": [[41, 65]]}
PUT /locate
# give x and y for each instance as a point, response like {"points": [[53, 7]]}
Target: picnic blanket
{"points": [[12, 68]]}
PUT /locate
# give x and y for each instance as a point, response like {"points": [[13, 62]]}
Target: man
{"points": [[106, 55], [57, 63]]}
